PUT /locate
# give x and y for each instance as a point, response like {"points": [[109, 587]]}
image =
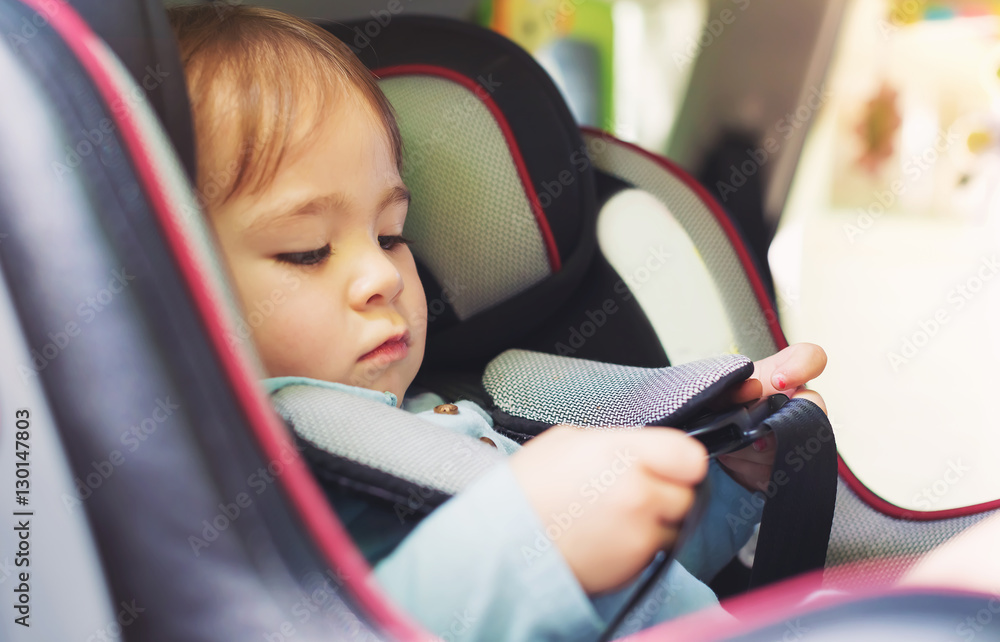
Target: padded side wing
{"points": [[199, 511], [749, 320]]}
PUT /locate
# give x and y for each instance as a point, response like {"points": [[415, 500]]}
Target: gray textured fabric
{"points": [[385, 438], [750, 328], [184, 206], [591, 393], [861, 534], [470, 218]]}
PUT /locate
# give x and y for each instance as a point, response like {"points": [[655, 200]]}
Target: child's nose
{"points": [[377, 280]]}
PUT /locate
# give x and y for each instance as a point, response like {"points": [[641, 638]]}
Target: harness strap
{"points": [[798, 513]]}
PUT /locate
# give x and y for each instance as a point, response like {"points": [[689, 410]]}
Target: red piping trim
{"points": [[772, 605], [522, 170], [305, 495], [755, 610], [848, 476], [892, 510]]}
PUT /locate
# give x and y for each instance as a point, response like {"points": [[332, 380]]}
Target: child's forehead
{"points": [[259, 82], [249, 148]]}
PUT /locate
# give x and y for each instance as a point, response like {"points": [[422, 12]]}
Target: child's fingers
{"points": [[751, 466], [748, 391], [672, 456], [800, 363], [670, 502], [668, 535], [761, 451], [752, 475]]}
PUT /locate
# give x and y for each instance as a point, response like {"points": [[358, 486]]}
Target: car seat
{"points": [[117, 310], [484, 128], [416, 58]]}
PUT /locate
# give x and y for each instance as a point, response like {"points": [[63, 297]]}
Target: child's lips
{"points": [[393, 349]]}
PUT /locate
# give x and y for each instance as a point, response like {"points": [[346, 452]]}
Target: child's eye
{"points": [[391, 242], [312, 257]]}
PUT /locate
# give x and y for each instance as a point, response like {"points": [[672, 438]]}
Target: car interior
{"points": [[611, 201]]}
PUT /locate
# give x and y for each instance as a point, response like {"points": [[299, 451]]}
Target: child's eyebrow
{"points": [[396, 194], [305, 208]]}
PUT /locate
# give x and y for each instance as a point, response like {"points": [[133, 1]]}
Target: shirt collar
{"points": [[273, 384]]}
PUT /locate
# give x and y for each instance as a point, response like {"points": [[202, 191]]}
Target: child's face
{"points": [[328, 288]]}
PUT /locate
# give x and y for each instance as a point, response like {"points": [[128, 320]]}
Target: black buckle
{"points": [[734, 429]]}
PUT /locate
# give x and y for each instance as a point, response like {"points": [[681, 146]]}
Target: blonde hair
{"points": [[270, 79]]}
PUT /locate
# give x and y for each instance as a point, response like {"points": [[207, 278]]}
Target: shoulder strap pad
{"points": [[532, 391], [381, 451]]}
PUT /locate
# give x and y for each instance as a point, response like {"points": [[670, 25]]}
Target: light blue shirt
{"points": [[481, 566]]}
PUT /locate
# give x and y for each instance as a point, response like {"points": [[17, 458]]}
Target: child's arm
{"points": [[487, 565], [725, 527], [481, 567]]}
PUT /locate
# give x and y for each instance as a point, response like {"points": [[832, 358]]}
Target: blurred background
{"points": [[857, 145]]}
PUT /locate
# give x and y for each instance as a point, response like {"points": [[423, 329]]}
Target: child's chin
{"points": [[391, 380]]}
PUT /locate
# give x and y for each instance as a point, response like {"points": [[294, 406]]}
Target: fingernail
{"points": [[778, 381], [760, 444]]}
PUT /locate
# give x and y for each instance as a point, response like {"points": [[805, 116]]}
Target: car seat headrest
{"points": [[504, 207]]}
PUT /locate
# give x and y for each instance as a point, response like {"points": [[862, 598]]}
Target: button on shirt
{"points": [[468, 419]]}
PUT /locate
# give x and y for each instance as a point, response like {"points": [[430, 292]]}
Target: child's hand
{"points": [[786, 372], [610, 500]]}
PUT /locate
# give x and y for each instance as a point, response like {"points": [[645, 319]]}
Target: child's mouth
{"points": [[393, 349]]}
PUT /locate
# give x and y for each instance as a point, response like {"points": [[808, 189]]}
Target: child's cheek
{"points": [[417, 322]]}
